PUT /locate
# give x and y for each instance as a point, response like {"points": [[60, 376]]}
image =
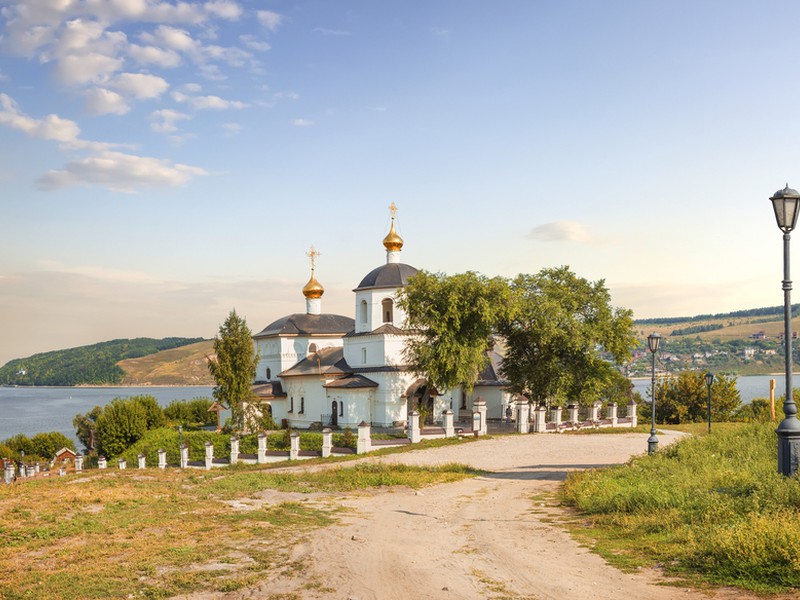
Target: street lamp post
{"points": [[709, 383], [786, 203], [180, 437], [653, 340]]}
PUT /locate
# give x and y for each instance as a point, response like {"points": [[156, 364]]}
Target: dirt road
{"points": [[486, 537]]}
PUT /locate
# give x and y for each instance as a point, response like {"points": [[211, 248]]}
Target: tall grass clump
{"points": [[711, 507]]}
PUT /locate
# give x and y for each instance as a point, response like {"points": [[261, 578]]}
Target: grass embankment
{"points": [[712, 509], [158, 533]]}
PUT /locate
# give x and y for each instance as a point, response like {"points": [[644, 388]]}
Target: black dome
{"points": [[390, 275], [305, 324]]}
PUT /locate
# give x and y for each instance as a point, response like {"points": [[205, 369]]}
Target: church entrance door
{"points": [[419, 397], [334, 414]]}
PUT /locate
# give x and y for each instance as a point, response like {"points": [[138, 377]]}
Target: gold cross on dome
{"points": [[312, 254], [393, 209]]}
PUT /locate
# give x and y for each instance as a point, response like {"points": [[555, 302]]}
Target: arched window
{"points": [[291, 404], [387, 308], [302, 405], [269, 374], [364, 311]]}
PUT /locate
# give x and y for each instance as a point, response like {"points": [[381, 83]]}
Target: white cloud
{"points": [[171, 37], [81, 69], [332, 32], [254, 43], [208, 102], [140, 85], [152, 55], [192, 88], [163, 121], [120, 172], [225, 9], [302, 123], [100, 101], [232, 129], [270, 20], [560, 231], [50, 127]]}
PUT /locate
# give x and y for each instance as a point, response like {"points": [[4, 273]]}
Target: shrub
{"points": [[119, 426]]}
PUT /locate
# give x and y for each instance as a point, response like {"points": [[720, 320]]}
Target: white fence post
{"points": [[414, 434], [364, 443], [523, 416], [327, 442], [79, 462], [262, 448], [209, 455], [449, 428], [611, 413], [123, 464], [162, 458], [184, 456], [101, 462], [294, 446], [479, 405], [632, 413], [142, 461], [234, 450]]}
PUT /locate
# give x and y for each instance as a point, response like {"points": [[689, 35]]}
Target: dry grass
{"points": [[186, 365], [160, 533]]}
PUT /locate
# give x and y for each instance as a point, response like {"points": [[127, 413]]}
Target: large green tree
{"points": [[563, 337], [234, 368], [453, 318], [684, 399]]}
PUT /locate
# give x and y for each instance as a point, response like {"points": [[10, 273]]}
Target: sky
{"points": [[163, 162]]}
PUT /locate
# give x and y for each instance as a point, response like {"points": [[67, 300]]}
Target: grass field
{"points": [[186, 365], [158, 533], [711, 508]]}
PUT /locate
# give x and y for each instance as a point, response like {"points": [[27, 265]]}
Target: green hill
{"points": [[95, 364]]}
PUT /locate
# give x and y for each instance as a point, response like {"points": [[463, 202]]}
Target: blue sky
{"points": [[162, 162]]}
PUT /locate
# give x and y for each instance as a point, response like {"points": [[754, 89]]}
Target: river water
{"points": [[750, 386], [32, 410]]}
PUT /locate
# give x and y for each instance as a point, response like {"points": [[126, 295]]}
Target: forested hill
{"points": [[86, 365]]}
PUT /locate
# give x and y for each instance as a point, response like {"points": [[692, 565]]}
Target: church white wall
{"points": [[497, 398], [374, 310], [280, 353]]}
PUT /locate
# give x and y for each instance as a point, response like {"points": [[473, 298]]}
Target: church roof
{"points": [[305, 324], [386, 328], [327, 361], [490, 375], [351, 382], [390, 275], [264, 389]]}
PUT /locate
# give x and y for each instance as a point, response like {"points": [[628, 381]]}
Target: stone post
{"points": [[364, 443], [9, 471], [79, 462], [294, 446], [142, 461], [541, 419], [414, 434], [36, 468], [611, 413], [555, 415], [184, 456], [632, 413], [262, 448], [162, 458], [62, 471], [572, 412], [449, 427], [523, 416], [476, 422], [595, 411], [234, 450], [327, 442], [123, 464], [101, 462], [480, 406], [209, 455]]}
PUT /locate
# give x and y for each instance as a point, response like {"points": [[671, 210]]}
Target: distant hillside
{"points": [[96, 364], [186, 365]]}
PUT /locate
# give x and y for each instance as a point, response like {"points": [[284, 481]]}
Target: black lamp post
{"points": [[180, 436], [653, 340], [709, 383], [786, 203]]}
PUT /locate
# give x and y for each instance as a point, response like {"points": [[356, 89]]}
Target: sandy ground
{"points": [[495, 536]]}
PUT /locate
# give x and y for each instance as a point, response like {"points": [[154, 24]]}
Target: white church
{"points": [[334, 370]]}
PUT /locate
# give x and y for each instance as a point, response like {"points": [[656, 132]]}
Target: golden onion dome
{"points": [[313, 289], [393, 242]]}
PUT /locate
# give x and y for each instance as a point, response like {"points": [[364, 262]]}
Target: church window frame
{"points": [[363, 355], [341, 408], [387, 310], [291, 404], [269, 374], [364, 312], [302, 405]]}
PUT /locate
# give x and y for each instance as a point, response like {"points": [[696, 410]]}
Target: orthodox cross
{"points": [[393, 209], [312, 254]]}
